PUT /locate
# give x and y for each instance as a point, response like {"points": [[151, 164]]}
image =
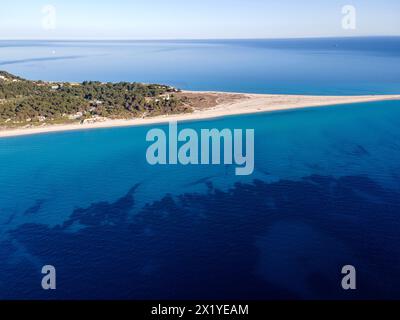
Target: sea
{"points": [[324, 194]]}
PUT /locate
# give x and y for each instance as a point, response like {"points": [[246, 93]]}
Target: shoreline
{"points": [[246, 104]]}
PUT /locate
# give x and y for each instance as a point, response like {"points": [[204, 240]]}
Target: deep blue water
{"points": [[308, 66], [325, 191]]}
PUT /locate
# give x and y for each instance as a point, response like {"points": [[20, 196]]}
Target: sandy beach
{"points": [[226, 104]]}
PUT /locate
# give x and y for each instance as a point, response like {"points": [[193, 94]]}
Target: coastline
{"points": [[245, 104]]}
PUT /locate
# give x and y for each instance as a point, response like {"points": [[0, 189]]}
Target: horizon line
{"points": [[197, 39]]}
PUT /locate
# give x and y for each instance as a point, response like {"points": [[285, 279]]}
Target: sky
{"points": [[188, 19]]}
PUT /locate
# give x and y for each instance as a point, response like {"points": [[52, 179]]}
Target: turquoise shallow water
{"points": [[325, 191]]}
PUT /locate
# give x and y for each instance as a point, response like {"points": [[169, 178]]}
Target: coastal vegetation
{"points": [[29, 103]]}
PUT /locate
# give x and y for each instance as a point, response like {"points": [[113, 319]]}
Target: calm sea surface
{"points": [[325, 191], [317, 66]]}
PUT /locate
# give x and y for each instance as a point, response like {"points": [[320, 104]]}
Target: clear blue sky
{"points": [[177, 19]]}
